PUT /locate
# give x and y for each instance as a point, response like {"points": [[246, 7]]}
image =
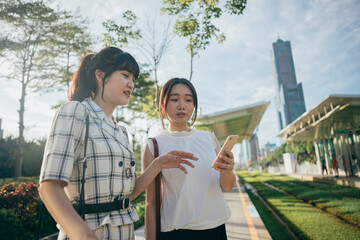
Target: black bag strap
{"points": [[157, 191], [82, 202], [82, 198]]}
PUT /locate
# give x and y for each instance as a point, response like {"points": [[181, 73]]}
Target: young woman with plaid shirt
{"points": [[103, 81]]}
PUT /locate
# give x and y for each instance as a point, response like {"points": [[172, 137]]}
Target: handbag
{"points": [[157, 192], [81, 202]]}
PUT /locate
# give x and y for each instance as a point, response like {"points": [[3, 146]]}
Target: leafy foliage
{"points": [[34, 35], [305, 151], [143, 96], [33, 153], [151, 40], [63, 52], [140, 209], [195, 21], [19, 211], [121, 35]]}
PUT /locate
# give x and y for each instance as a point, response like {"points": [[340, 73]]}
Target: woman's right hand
{"points": [[174, 159], [53, 195]]}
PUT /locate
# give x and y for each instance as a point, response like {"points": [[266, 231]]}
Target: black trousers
{"points": [[218, 233]]}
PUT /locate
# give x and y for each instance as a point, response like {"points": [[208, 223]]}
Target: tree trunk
{"points": [[20, 152], [157, 93], [191, 64]]}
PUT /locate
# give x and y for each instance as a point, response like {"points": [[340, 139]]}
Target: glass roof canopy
{"points": [[240, 121], [336, 114]]}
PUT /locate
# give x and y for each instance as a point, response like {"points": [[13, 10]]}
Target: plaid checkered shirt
{"points": [[110, 168]]}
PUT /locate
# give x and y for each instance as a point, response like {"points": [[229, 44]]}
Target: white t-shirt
{"points": [[194, 200]]}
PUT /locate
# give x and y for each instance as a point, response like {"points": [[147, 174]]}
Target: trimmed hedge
{"points": [[20, 205]]}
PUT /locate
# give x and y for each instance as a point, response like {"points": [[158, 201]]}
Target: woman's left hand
{"points": [[227, 164], [174, 159]]}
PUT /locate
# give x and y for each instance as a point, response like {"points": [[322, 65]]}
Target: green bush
{"points": [[140, 209], [9, 224], [19, 208]]}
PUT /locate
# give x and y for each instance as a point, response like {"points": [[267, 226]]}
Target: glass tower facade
{"points": [[289, 97]]}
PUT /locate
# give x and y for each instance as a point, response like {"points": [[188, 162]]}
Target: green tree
{"points": [[151, 40], [142, 97], [195, 21], [7, 156], [33, 155], [63, 52], [304, 150], [29, 32]]}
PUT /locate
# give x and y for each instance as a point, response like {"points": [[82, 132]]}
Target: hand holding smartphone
{"points": [[228, 145]]}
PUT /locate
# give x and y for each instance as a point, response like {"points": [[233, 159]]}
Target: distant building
{"points": [[244, 156], [268, 148], [249, 150], [254, 148], [289, 98], [1, 131]]}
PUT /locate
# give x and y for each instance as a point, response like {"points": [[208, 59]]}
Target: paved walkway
{"points": [[244, 223]]}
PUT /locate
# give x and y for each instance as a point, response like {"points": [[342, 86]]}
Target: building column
{"points": [[356, 145], [347, 154], [327, 154], [338, 153], [317, 154]]}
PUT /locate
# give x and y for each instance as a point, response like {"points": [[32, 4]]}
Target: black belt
{"points": [[117, 204]]}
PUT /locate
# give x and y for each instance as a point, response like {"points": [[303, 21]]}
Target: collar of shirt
{"points": [[118, 133]]}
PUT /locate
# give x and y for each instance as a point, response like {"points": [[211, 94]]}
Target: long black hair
{"points": [[108, 60]]}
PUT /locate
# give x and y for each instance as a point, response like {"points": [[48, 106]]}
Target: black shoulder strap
{"points": [[82, 199]]}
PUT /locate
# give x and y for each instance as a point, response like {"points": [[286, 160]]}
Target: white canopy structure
{"points": [[240, 121]]}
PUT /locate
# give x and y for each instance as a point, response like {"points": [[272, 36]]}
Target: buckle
{"points": [[126, 202], [122, 203]]}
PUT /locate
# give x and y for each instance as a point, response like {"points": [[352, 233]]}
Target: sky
{"points": [[325, 40]]}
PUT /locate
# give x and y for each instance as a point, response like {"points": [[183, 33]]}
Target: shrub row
{"points": [[19, 208], [19, 212]]}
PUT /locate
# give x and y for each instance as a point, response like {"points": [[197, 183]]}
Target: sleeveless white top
{"points": [[194, 200]]}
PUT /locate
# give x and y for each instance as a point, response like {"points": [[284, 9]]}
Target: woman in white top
{"points": [[193, 205], [103, 81]]}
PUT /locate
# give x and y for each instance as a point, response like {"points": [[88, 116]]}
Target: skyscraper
{"points": [[289, 98]]}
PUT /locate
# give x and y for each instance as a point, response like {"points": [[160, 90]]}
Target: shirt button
{"points": [[132, 163], [121, 163]]}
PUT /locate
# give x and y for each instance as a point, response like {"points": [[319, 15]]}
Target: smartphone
{"points": [[230, 141]]}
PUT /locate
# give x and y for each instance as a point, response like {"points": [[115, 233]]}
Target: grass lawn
{"points": [[275, 228], [337, 201], [306, 221]]}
